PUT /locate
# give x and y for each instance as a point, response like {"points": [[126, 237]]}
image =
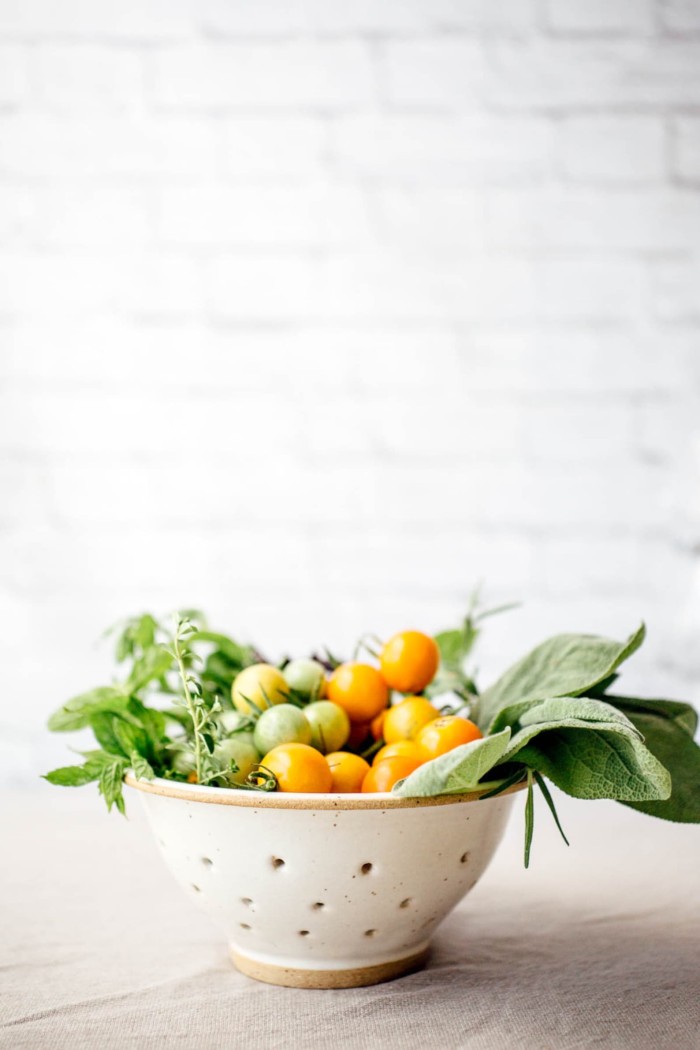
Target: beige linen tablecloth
{"points": [[597, 945]]}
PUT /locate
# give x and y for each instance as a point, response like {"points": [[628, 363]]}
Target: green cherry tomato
{"points": [[330, 725], [183, 761], [283, 724], [231, 720], [241, 749], [305, 677]]}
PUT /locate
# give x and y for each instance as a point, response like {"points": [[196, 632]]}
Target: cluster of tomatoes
{"points": [[322, 741]]}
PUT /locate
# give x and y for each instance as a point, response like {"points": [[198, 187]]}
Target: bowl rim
{"points": [[279, 800]]}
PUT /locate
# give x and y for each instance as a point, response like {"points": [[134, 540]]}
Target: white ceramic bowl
{"points": [[324, 891]]}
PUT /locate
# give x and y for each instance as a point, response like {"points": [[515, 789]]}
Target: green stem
{"points": [[190, 703]]}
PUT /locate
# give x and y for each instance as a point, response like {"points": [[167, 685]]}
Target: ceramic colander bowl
{"points": [[324, 891]]}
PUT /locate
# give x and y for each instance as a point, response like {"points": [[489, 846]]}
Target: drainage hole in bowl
{"points": [[366, 868], [244, 926], [370, 933], [277, 862], [207, 862], [406, 903], [464, 858], [318, 906], [303, 933]]}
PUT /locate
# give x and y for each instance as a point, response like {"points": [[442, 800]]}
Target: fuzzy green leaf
{"points": [[532, 717], [566, 665], [597, 760], [458, 771], [670, 742], [682, 715]]}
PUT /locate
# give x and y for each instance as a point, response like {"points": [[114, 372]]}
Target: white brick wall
{"points": [[318, 313]]}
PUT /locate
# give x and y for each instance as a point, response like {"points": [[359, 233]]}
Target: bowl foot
{"points": [[293, 977]]}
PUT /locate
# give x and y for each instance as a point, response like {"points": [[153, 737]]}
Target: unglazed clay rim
{"points": [[279, 800]]}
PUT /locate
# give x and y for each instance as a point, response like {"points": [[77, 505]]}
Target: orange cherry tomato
{"points": [[403, 720], [360, 689], [377, 725], [348, 771], [444, 734], [409, 661], [384, 775], [359, 731], [401, 749], [298, 767]]}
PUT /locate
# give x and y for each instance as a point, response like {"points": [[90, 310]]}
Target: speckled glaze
{"points": [[323, 891]]}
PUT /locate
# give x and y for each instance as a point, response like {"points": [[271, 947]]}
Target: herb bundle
{"points": [[552, 716]]}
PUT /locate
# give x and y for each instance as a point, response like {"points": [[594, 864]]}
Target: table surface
{"points": [[597, 945]]}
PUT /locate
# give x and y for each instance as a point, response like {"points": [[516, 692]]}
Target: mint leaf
{"points": [[71, 776], [456, 645], [142, 769], [130, 737], [240, 655], [103, 726], [458, 771], [565, 665], [77, 713], [148, 668], [110, 782]]}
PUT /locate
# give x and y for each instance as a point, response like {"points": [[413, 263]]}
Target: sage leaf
{"points": [[457, 771], [683, 715], [670, 742], [597, 761], [530, 718], [565, 665]]}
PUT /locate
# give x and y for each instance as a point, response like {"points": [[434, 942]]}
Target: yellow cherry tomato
{"points": [[401, 749], [261, 686], [298, 767], [347, 770], [359, 689], [438, 737], [384, 775], [409, 661], [377, 725], [403, 720]]}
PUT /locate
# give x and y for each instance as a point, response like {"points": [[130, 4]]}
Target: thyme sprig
{"points": [[204, 726]]}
